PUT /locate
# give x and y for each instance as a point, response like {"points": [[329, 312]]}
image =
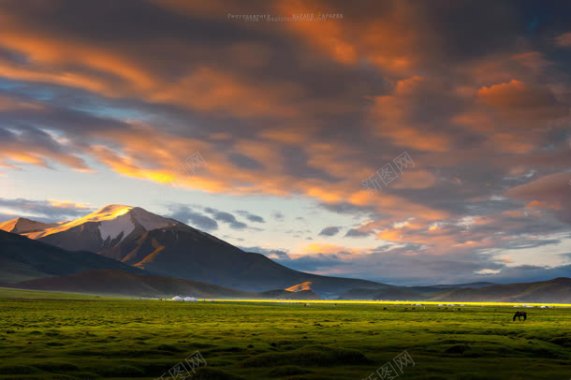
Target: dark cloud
{"points": [[251, 217], [348, 208], [315, 263], [245, 162], [196, 219], [5, 217], [278, 216], [226, 217], [530, 273], [45, 211], [330, 231], [548, 192], [529, 243], [353, 232], [279, 255], [389, 265]]}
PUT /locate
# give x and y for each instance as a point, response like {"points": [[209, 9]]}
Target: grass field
{"points": [[61, 336]]}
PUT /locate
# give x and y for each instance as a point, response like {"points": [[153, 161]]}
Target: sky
{"points": [[408, 142]]}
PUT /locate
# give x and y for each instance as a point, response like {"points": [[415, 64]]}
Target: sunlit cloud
{"points": [[303, 112]]}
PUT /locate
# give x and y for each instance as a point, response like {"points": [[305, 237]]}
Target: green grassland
{"points": [[63, 336]]}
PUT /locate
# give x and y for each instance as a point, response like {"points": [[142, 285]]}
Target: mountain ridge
{"points": [[121, 283], [29, 264], [21, 225], [557, 290], [24, 259], [167, 247]]}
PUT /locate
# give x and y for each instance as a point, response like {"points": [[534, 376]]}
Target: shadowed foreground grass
{"points": [[58, 336]]}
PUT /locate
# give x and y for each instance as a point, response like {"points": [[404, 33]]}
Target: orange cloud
{"points": [[416, 179], [11, 104], [37, 155], [206, 89], [511, 94], [563, 40], [328, 249], [395, 41], [441, 239], [55, 52], [516, 99], [389, 41], [329, 36], [392, 116], [551, 191], [162, 162], [212, 8], [107, 70], [69, 205]]}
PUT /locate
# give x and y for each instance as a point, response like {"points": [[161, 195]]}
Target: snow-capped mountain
{"points": [[167, 247], [113, 221], [102, 229]]}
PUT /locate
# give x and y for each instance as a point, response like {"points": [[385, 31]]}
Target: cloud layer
{"points": [[476, 93]]}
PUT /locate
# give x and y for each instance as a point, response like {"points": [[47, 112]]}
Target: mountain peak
{"points": [[112, 221], [113, 210], [301, 287], [22, 225]]}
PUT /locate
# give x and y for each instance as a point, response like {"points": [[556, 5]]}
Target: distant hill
{"points": [[470, 285], [130, 242], [557, 290], [118, 282], [387, 293], [23, 226], [301, 291], [554, 291], [23, 259], [285, 295], [168, 247], [29, 264]]}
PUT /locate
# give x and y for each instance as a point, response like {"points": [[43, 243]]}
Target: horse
{"points": [[519, 315]]}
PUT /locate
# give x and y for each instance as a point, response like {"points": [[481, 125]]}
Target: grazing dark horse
{"points": [[519, 315]]}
